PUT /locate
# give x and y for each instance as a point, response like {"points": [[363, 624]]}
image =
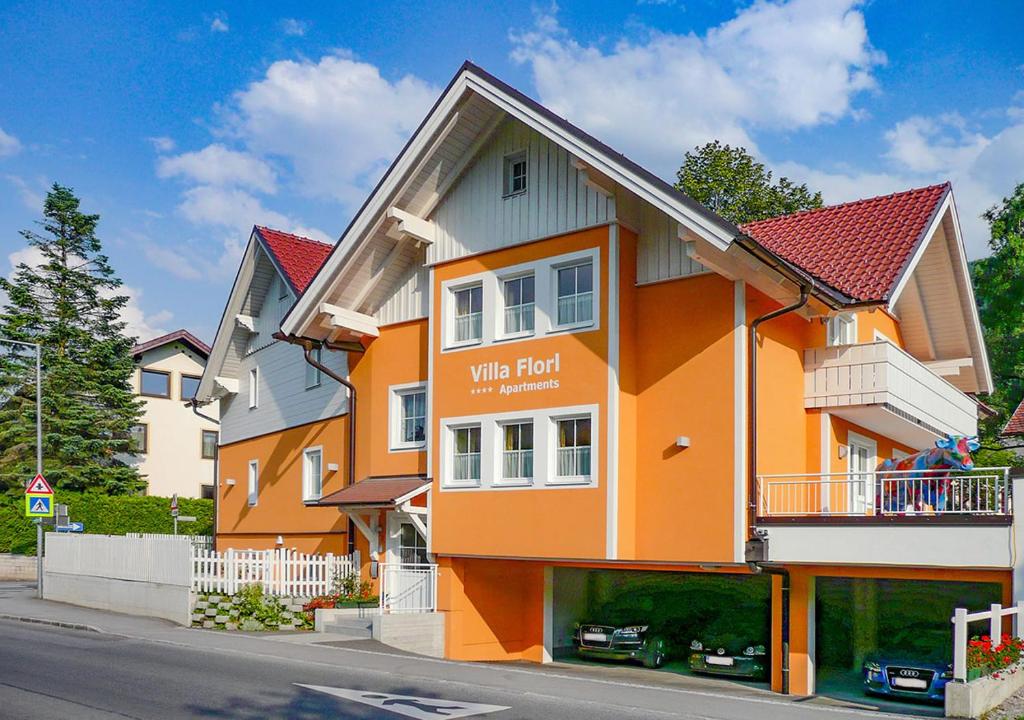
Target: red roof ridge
{"points": [[293, 236], [849, 203], [297, 258]]}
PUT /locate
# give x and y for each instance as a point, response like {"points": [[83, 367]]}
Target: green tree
{"points": [[999, 289], [733, 184], [68, 303]]}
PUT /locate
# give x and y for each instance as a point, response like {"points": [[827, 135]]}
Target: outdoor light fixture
{"points": [[682, 441], [229, 482], [332, 467], [843, 451], [280, 540]]}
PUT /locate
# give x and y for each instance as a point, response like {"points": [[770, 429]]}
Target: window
{"points": [[412, 547], [209, 444], [573, 460], [313, 373], [519, 305], [154, 383], [254, 482], [206, 492], [408, 416], [312, 474], [139, 436], [189, 386], [515, 173], [466, 459], [254, 387], [469, 314], [842, 329], [517, 453], [576, 294]]}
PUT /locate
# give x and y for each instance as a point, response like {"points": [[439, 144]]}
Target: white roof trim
{"points": [[929, 233]]}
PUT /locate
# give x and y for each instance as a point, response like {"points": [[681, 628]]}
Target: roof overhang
{"points": [[377, 493]]}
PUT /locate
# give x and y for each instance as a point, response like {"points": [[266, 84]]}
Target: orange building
{"points": [[577, 390]]}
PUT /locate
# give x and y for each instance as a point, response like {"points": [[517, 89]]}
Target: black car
{"points": [[639, 642], [733, 645]]}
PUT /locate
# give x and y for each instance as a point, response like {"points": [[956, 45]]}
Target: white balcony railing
{"points": [[904, 493], [408, 588], [849, 378]]}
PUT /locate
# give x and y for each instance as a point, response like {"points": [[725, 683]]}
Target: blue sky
{"points": [[186, 123]]}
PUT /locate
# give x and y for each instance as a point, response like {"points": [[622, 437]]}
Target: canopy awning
{"points": [[378, 492]]}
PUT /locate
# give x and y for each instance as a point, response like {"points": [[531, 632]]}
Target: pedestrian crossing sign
{"points": [[38, 505]]}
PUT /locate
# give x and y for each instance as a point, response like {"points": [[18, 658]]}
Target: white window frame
{"points": [[841, 329], [451, 317], [545, 300], [396, 394], [308, 495], [313, 374], [449, 455], [555, 478], [594, 279], [857, 503], [503, 330], [508, 164], [499, 477], [253, 483], [254, 387]]}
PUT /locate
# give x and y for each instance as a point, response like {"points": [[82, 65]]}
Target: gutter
{"points": [[194, 404], [309, 345], [758, 569]]}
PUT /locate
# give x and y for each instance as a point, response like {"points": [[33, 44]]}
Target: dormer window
{"points": [[515, 173]]}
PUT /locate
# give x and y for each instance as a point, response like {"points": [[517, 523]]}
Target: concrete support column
{"points": [[1017, 491], [549, 614], [802, 641], [865, 619]]}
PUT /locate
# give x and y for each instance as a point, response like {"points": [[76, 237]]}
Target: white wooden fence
{"points": [[994, 615], [281, 571], [156, 559]]}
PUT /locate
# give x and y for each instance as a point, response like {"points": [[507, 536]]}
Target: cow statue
{"points": [[921, 491]]}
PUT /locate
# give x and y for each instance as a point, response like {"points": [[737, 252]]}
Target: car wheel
{"points": [[654, 654]]}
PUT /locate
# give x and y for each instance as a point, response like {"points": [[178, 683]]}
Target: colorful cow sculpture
{"points": [[923, 491]]}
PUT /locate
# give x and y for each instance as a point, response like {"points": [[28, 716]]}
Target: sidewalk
{"points": [[18, 601]]}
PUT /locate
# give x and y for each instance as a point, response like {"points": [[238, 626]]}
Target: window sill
{"points": [[463, 344], [514, 336], [516, 482], [576, 480], [517, 193], [311, 501], [418, 447], [461, 484], [573, 326]]}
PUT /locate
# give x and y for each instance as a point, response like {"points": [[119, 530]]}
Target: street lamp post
{"points": [[39, 454]]}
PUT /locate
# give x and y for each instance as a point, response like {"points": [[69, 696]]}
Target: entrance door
{"points": [[408, 575], [861, 456]]}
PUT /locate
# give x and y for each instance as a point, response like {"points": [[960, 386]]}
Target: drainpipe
{"points": [[756, 567], [194, 404], [309, 345]]}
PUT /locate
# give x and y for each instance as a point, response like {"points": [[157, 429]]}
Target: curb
{"points": [[54, 623]]}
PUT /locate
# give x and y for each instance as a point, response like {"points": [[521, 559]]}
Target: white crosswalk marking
{"points": [[420, 708]]}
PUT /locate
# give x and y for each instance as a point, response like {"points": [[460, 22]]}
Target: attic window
{"points": [[515, 173]]}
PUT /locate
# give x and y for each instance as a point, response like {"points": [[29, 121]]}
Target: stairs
{"points": [[350, 628]]}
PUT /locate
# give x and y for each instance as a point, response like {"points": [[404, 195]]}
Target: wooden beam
{"points": [[456, 172], [422, 231], [593, 178], [356, 322], [372, 538], [228, 385], [951, 366], [246, 321]]}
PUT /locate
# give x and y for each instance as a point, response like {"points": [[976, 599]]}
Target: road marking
{"points": [[420, 708]]}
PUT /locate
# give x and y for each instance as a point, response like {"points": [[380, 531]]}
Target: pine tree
{"points": [[68, 303]]}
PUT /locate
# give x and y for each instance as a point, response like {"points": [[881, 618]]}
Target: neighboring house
{"points": [[177, 449], [551, 353], [1015, 426]]}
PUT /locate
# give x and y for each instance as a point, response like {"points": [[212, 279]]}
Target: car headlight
{"points": [[696, 645], [948, 673], [751, 650], [872, 666], [634, 629]]}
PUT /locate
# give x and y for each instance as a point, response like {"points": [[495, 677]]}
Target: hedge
{"points": [[103, 515]]}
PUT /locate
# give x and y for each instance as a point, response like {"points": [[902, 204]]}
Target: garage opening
{"points": [[710, 624], [899, 629]]}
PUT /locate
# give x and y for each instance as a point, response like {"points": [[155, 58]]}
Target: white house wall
{"points": [[284, 401], [661, 255]]}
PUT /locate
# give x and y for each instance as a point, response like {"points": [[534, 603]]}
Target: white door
{"points": [[408, 582], [861, 473]]}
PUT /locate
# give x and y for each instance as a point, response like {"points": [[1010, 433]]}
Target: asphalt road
{"points": [[48, 672]]}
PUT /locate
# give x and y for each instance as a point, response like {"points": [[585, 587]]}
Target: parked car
{"points": [[733, 645], [908, 678], [627, 641]]}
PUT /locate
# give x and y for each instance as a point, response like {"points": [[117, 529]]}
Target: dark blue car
{"points": [[908, 679]]}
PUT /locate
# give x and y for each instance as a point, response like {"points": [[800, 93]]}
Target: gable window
{"points": [[313, 373], [189, 386], [466, 455], [468, 316], [312, 474], [254, 482], [519, 304], [517, 453], [573, 448], [138, 435], [842, 329], [254, 387], [155, 383], [575, 289], [209, 451], [408, 416], [515, 173]]}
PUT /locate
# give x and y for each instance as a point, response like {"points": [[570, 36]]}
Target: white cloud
{"points": [[30, 197], [774, 66], [9, 145], [218, 165], [337, 123], [173, 261], [293, 27], [163, 143], [219, 24], [238, 210], [925, 144]]}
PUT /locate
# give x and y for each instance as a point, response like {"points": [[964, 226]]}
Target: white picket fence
{"points": [[994, 615], [281, 572]]}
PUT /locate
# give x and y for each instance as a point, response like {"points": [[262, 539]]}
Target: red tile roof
{"points": [[298, 257], [1016, 424], [182, 336], [378, 491], [860, 248]]}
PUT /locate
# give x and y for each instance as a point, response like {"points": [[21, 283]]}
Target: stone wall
{"points": [[421, 633], [17, 567]]}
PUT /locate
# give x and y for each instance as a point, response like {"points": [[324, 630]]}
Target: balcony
{"points": [[936, 518], [882, 388]]}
